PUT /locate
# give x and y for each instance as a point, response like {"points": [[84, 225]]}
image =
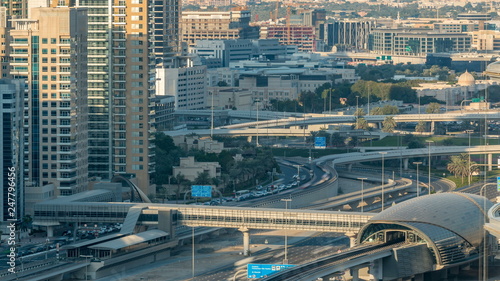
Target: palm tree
{"points": [[420, 128], [361, 123], [181, 181], [359, 112], [460, 166], [388, 124]]}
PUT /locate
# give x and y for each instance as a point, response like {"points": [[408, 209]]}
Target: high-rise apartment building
{"points": [[11, 154], [49, 51], [126, 39]]}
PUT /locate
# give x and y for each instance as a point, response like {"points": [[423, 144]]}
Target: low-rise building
{"points": [[191, 169]]}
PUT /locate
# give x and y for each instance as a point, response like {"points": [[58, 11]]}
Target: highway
{"points": [[316, 246]]}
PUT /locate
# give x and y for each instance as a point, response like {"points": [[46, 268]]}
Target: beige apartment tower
{"points": [[126, 38], [49, 51]]}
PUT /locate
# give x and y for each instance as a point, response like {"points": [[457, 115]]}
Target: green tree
{"points": [[26, 223], [460, 166], [420, 128], [433, 107], [361, 124], [202, 178], [389, 110], [388, 124], [359, 112], [376, 111], [181, 183], [336, 140]]}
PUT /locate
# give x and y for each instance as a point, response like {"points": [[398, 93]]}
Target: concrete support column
{"points": [[377, 270], [355, 274], [419, 277], [433, 125], [405, 163], [352, 239], [246, 241], [490, 162], [249, 139], [50, 231], [349, 167]]}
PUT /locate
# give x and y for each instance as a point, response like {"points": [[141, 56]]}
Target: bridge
{"points": [[297, 124]]}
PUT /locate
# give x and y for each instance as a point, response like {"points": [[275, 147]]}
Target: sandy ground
{"points": [[227, 251]]}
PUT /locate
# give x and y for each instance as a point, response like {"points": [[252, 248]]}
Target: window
{"points": [[137, 167]]}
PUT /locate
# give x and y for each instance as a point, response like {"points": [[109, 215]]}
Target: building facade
{"points": [[187, 85], [126, 40], [49, 51], [225, 50], [417, 42], [304, 37], [12, 153], [216, 25]]}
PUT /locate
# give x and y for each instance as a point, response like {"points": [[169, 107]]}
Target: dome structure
{"points": [[493, 71], [450, 224], [466, 79]]}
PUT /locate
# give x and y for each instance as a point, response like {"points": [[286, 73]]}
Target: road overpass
{"points": [[296, 124]]}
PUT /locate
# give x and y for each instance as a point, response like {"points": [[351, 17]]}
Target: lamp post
{"points": [[362, 193], [257, 125], [419, 106], [285, 260], [418, 183], [469, 132], [212, 119], [485, 245], [429, 152], [383, 153], [357, 105], [192, 252]]}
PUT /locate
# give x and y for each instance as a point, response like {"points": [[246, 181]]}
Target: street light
{"points": [[418, 183], [383, 153], [257, 125], [362, 193], [485, 248], [469, 132], [286, 200], [86, 266], [357, 104], [429, 150]]}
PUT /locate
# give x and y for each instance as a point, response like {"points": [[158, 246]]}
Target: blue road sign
{"points": [[319, 142], [255, 270], [201, 191]]}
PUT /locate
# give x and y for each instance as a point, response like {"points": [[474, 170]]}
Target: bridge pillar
{"points": [[355, 274], [377, 270], [352, 239], [249, 139], [246, 241], [405, 163], [433, 125], [349, 167], [418, 277], [50, 231], [490, 162]]}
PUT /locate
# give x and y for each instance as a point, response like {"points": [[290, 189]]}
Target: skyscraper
{"points": [[49, 52], [11, 100], [126, 39]]}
